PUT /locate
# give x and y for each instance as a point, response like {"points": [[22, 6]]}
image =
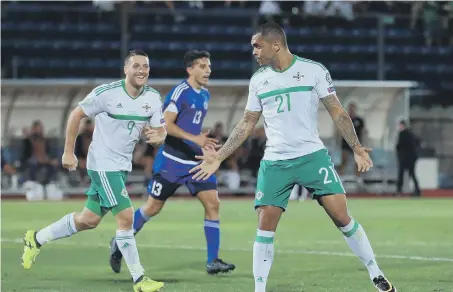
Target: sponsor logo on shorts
{"points": [[259, 195], [124, 193], [331, 89]]}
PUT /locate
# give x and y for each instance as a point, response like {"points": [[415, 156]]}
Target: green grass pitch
{"points": [[413, 240]]}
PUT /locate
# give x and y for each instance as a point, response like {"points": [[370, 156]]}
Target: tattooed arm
{"points": [[239, 134], [341, 119]]}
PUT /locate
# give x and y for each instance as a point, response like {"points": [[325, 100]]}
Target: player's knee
{"points": [[152, 207], [84, 221], [341, 220]]}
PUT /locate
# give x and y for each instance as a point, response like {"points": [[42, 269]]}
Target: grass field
{"points": [[413, 240]]}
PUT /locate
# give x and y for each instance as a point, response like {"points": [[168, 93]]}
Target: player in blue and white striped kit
{"points": [[185, 108]]}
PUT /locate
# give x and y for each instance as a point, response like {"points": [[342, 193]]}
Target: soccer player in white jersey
{"points": [[286, 90], [121, 110]]}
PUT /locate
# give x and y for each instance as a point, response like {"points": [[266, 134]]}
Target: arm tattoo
{"points": [[341, 119], [239, 134]]}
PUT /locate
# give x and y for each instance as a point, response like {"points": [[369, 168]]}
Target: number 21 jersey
{"points": [[289, 103]]}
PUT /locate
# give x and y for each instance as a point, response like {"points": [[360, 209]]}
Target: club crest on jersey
{"points": [[146, 107], [205, 104], [259, 195], [124, 193], [298, 77]]}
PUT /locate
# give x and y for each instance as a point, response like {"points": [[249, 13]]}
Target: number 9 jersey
{"points": [[177, 156]]}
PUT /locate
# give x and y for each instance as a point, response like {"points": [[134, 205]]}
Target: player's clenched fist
{"points": [[69, 161], [362, 158]]}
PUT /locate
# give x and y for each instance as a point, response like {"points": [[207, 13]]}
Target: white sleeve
{"points": [[92, 104], [324, 85], [253, 101], [172, 108], [157, 119]]}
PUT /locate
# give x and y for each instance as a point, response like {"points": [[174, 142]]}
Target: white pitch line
{"points": [[286, 251]]}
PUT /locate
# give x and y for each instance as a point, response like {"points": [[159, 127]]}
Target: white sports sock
{"points": [[128, 247], [263, 256], [64, 227], [358, 242]]}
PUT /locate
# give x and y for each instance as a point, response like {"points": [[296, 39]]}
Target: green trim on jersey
{"points": [[128, 117], [292, 63], [123, 84], [103, 88], [311, 61], [260, 70], [285, 90]]}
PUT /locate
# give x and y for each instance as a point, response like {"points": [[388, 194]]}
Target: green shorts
{"points": [[107, 192], [314, 171]]}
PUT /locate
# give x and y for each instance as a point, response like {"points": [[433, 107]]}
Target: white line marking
{"points": [[286, 251]]}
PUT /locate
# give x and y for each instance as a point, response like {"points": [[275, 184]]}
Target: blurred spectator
{"points": [[6, 167], [269, 9], [229, 2], [406, 149], [104, 5], [346, 151], [82, 144], [432, 22], [218, 133], [196, 4], [341, 9], [256, 152], [39, 165]]}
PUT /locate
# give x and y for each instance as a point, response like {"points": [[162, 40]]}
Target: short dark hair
{"points": [[191, 56], [403, 123], [134, 53], [272, 30]]}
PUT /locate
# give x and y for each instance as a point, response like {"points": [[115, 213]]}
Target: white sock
{"points": [[263, 256], [64, 227], [128, 247], [358, 242]]}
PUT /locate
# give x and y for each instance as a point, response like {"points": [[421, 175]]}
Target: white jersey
{"points": [[119, 120], [289, 103]]}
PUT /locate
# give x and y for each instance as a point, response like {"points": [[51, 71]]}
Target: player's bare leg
{"points": [[263, 248], [336, 208], [211, 204], [150, 209], [67, 226]]}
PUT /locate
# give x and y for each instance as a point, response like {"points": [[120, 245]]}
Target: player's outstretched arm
{"points": [[239, 134], [343, 122], [341, 119], [212, 159], [72, 128]]}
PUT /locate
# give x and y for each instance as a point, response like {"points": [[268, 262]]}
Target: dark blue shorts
{"points": [[169, 175]]}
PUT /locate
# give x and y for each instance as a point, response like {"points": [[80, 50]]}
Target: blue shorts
{"points": [[169, 175]]}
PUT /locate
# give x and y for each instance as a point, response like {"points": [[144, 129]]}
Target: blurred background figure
{"points": [[346, 151], [406, 149], [82, 144]]}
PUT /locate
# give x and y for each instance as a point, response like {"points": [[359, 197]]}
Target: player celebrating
{"points": [[121, 110], [287, 90], [185, 109]]}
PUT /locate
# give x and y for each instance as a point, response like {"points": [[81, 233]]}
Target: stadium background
{"points": [[381, 57], [392, 59]]}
